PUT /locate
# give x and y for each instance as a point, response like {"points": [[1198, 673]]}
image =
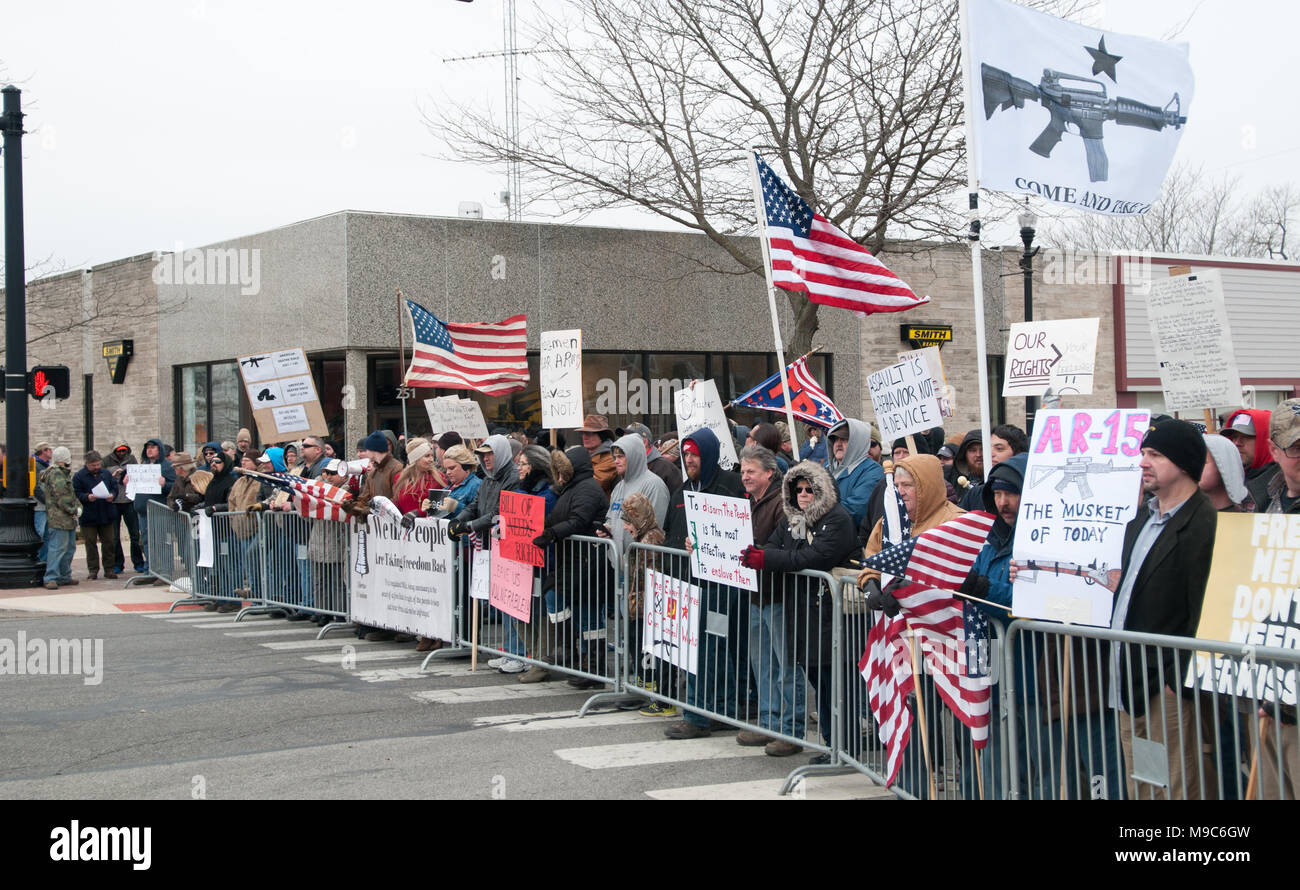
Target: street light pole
{"points": [[1027, 222], [18, 541]]}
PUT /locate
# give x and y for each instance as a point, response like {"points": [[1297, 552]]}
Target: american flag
{"points": [[889, 682], [808, 401], [312, 498], [936, 562], [811, 254], [485, 356]]}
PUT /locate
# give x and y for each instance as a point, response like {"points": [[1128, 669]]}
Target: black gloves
{"points": [[883, 600], [544, 539], [457, 527], [975, 584], [408, 520]]}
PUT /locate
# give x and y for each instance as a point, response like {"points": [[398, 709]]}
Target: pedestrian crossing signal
{"points": [[44, 377]]}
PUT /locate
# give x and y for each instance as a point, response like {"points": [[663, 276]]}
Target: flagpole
{"points": [[771, 301], [977, 270], [401, 361]]}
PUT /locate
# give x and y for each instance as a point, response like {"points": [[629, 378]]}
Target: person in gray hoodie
{"points": [[153, 454], [856, 474], [634, 478], [499, 474]]}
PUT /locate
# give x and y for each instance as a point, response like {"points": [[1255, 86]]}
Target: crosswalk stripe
{"points": [[850, 787], [327, 643], [562, 720], [647, 753], [474, 694], [369, 655], [412, 672], [274, 632]]}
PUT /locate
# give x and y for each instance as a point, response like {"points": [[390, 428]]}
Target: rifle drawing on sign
{"points": [[1076, 470], [1091, 573], [1076, 100], [254, 361]]}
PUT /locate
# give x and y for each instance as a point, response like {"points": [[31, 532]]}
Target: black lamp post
{"points": [[1027, 222], [18, 541]]}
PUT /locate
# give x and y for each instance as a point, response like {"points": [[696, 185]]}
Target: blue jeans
{"points": [[713, 686], [38, 522], [781, 684], [511, 642], [62, 545]]}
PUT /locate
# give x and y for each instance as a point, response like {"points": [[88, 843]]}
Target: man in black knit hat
{"points": [[1167, 549]]}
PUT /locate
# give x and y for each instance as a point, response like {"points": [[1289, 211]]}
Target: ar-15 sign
{"points": [[1080, 491]]}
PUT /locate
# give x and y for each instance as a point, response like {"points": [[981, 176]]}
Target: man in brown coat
{"points": [[598, 438]]}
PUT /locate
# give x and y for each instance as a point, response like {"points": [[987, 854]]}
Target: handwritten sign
{"points": [[448, 414], [522, 519], [698, 406], [1189, 324], [561, 378], [142, 479], [481, 575], [207, 549], [904, 399], [670, 628], [720, 528], [1080, 490], [408, 584], [1251, 599], [511, 587], [1057, 355], [934, 365]]}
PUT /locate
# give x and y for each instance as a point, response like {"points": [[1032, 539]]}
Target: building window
{"points": [[210, 405]]}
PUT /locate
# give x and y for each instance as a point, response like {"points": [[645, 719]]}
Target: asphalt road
{"points": [[195, 705]]}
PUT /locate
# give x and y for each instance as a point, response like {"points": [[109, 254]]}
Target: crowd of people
{"points": [[821, 509]]}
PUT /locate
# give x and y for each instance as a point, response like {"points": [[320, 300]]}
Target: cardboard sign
{"points": [[481, 575], [1189, 326], [561, 377], [698, 406], [522, 519], [206, 545], [904, 399], [511, 587], [143, 479], [283, 397], [1081, 488], [1055, 355], [406, 582], [1252, 598], [452, 414], [720, 528], [670, 628], [934, 364]]}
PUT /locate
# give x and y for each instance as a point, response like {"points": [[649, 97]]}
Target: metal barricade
{"points": [[235, 573], [304, 564], [765, 661], [574, 624], [1098, 713], [172, 550], [940, 759]]}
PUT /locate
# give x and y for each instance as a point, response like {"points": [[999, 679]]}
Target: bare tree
{"points": [[654, 103], [1270, 218]]}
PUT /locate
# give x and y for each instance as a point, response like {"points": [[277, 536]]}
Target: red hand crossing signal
{"points": [[44, 377]]}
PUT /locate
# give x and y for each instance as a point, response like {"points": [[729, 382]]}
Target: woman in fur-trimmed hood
{"points": [[816, 533]]}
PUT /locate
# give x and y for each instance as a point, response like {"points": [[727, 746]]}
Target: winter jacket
{"points": [[188, 492], [580, 502], [857, 476], [100, 511], [819, 538], [487, 504], [61, 505], [713, 480], [465, 494], [112, 462], [669, 472], [1263, 468], [932, 505], [164, 470], [637, 480], [1273, 498], [247, 491], [602, 467], [993, 562], [223, 479], [766, 511], [381, 478], [640, 514]]}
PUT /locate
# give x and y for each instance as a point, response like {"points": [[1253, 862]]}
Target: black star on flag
{"points": [[1102, 61]]}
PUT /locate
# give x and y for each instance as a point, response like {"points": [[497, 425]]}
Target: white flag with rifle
{"points": [[1081, 117]]}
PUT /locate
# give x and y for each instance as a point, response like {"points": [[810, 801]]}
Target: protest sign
{"points": [[511, 587], [522, 519], [207, 550], [560, 370], [480, 575], [720, 528], [283, 397], [904, 399], [448, 414], [1252, 598], [143, 479], [698, 406], [934, 365], [1189, 327], [1080, 490], [1056, 355], [405, 582], [670, 628]]}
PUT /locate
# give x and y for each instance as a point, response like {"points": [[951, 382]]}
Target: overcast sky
{"points": [[153, 124]]}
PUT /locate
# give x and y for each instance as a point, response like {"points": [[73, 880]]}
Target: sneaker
{"points": [[535, 674], [497, 662], [751, 739], [51, 585], [659, 709], [781, 748], [512, 666], [684, 729]]}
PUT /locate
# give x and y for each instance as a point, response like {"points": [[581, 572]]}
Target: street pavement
{"points": [[195, 704]]}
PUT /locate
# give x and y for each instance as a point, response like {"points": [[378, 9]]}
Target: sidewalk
{"points": [[99, 597]]}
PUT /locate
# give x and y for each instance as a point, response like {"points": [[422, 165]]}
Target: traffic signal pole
{"points": [[18, 541]]}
